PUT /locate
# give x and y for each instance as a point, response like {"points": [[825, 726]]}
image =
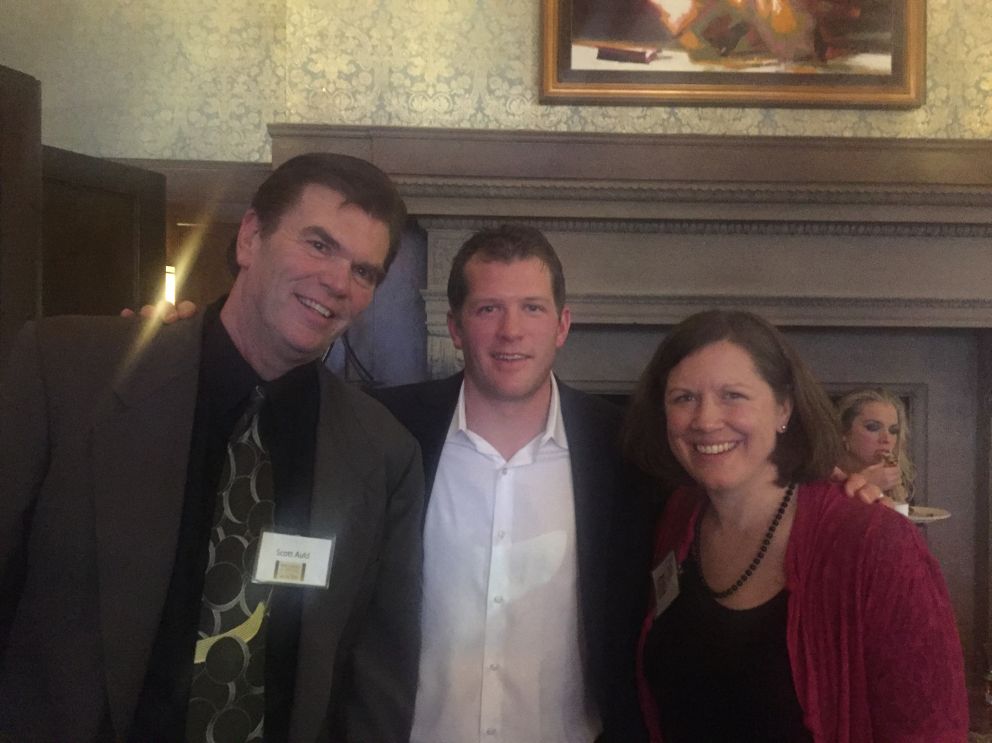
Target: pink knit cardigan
{"points": [[874, 650]]}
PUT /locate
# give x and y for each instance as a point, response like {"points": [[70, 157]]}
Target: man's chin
{"points": [[518, 393], [311, 348]]}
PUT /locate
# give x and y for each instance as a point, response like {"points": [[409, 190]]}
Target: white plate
{"points": [[927, 515]]}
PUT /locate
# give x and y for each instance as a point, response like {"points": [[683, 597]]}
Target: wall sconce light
{"points": [[170, 284]]}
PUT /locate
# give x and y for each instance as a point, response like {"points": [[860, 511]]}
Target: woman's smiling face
{"points": [[723, 419]]}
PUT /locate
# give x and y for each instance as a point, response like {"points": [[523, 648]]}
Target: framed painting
{"points": [[821, 53]]}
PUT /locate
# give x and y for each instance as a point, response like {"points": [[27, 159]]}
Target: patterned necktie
{"points": [[227, 697]]}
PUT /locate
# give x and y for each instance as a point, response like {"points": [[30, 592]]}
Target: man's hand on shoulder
{"points": [[856, 485], [165, 312]]}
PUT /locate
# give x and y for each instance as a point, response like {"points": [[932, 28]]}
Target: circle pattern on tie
{"points": [[227, 701]]}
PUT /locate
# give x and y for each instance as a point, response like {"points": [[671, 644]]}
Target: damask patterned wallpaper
{"points": [[187, 79]]}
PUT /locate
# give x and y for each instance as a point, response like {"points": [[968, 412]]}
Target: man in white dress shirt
{"points": [[524, 485]]}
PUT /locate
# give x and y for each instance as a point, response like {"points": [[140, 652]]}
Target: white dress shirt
{"points": [[501, 657]]}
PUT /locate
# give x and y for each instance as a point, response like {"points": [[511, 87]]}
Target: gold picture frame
{"points": [[841, 54]]}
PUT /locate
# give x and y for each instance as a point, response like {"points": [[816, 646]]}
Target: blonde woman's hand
{"points": [[882, 475]]}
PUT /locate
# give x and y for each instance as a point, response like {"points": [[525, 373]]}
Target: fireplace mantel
{"points": [[875, 253], [457, 172], [810, 232]]}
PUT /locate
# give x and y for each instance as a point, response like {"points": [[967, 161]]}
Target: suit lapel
{"points": [[343, 469], [594, 476], [140, 439], [438, 403], [425, 409]]}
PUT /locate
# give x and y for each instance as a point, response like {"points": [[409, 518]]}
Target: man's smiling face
{"points": [[306, 279], [509, 328]]}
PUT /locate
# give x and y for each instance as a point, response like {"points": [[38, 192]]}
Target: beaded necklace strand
{"points": [[757, 558]]}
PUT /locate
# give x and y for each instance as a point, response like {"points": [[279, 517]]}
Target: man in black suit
{"points": [[156, 481], [526, 501]]}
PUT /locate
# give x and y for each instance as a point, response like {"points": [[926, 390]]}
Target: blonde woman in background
{"points": [[876, 441]]}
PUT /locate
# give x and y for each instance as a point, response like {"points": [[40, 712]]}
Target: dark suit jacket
{"points": [[95, 425], [608, 520]]}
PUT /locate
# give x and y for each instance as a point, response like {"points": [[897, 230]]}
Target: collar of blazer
{"points": [[140, 442], [350, 501], [158, 355]]}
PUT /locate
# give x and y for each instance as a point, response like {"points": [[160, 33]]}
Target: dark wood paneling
{"points": [[20, 201], [103, 235], [983, 512], [88, 258], [205, 202]]}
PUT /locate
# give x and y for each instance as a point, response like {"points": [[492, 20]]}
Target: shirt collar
{"points": [[228, 378], [225, 377], [554, 427]]}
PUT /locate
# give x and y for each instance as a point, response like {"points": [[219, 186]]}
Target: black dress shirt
{"points": [[288, 425]]}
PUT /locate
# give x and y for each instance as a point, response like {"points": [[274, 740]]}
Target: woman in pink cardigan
{"points": [[781, 609]]}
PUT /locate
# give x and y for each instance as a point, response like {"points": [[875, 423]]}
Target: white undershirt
{"points": [[501, 658]]}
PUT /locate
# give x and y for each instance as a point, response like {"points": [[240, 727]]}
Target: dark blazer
{"points": [[608, 518], [95, 426]]}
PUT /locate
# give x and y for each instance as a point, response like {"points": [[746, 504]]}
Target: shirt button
{"points": [[490, 731], [494, 666], [500, 534], [503, 471], [498, 600]]}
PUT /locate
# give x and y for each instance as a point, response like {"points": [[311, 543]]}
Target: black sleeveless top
{"points": [[720, 674]]}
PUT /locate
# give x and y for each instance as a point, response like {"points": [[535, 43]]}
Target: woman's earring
{"points": [[781, 429]]}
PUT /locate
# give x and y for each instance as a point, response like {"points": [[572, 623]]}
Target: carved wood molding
{"points": [[661, 310], [528, 174], [798, 228], [653, 191], [482, 154]]}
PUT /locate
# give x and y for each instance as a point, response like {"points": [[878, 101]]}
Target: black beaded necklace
{"points": [[757, 558]]}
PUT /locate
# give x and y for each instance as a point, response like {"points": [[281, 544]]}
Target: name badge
{"points": [[666, 583], [292, 560]]}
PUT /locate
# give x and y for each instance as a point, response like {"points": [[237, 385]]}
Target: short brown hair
{"points": [[810, 447], [360, 182], [505, 244]]}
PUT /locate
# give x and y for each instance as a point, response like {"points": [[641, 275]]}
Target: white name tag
{"points": [[288, 559], [666, 583]]}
